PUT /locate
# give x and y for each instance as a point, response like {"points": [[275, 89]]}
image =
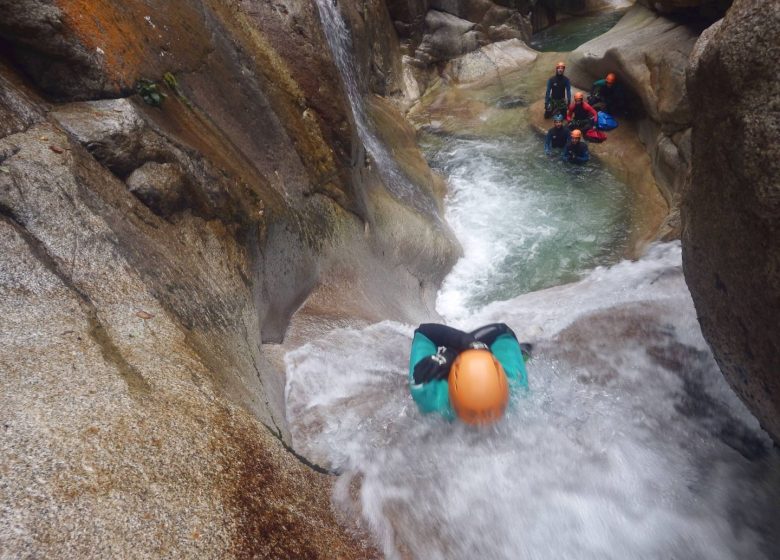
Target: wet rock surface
{"points": [[161, 186], [152, 253], [731, 211], [700, 9], [491, 61], [434, 32]]}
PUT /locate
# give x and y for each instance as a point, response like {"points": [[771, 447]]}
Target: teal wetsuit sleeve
{"points": [[507, 350], [433, 396]]}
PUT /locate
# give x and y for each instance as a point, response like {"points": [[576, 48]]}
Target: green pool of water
{"points": [[571, 33], [526, 221]]}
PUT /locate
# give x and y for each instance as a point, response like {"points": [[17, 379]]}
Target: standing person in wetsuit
{"points": [[576, 151], [558, 94], [557, 136], [607, 95], [468, 375], [581, 115]]}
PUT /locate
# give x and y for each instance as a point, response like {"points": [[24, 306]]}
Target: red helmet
{"points": [[611, 78], [579, 96]]}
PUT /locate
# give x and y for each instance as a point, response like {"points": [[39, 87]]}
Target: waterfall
{"points": [[394, 178]]}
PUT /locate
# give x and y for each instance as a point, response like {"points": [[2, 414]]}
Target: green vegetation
{"points": [[150, 92]]}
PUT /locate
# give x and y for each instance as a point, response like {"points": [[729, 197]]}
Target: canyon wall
{"points": [[731, 210], [174, 184]]}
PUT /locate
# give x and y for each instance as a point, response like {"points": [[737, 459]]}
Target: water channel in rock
{"points": [[629, 444], [571, 33]]}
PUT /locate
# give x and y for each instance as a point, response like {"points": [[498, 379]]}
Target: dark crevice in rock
{"points": [[137, 385], [48, 71], [277, 433]]}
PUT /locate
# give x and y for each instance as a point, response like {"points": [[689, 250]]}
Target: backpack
{"points": [[606, 121], [595, 136]]}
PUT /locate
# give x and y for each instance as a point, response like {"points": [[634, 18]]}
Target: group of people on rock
{"points": [[580, 115]]}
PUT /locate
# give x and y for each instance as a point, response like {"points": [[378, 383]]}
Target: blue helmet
{"points": [[558, 117]]}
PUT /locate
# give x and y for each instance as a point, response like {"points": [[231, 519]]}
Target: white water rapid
{"points": [[629, 445]]}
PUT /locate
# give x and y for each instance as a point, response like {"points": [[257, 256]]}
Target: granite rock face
{"points": [[433, 32], [700, 9], [731, 211], [151, 255], [491, 61], [649, 54], [446, 37]]}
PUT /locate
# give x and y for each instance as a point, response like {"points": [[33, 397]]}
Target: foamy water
{"points": [[525, 221], [629, 445]]}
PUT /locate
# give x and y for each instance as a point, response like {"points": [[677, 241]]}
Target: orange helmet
{"points": [[611, 78], [561, 64], [579, 96], [576, 133], [479, 391]]}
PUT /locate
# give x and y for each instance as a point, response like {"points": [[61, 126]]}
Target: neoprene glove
{"points": [[435, 367]]}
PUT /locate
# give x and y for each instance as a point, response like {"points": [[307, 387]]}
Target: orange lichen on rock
{"points": [[99, 24], [134, 40]]}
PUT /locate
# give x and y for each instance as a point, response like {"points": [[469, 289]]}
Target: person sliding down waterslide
{"points": [[466, 375]]}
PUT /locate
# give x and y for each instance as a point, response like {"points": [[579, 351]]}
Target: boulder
{"points": [[649, 54], [731, 211], [491, 61], [111, 129], [161, 186], [446, 36], [440, 30]]}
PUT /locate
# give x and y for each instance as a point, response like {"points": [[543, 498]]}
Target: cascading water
{"points": [[571, 33], [525, 222], [629, 443], [340, 44]]}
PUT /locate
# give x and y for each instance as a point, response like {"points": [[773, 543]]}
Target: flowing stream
{"points": [[573, 32], [629, 444]]}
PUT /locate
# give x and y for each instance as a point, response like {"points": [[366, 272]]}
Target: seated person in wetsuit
{"points": [[581, 115], [557, 136], [607, 95], [558, 94], [470, 375], [576, 151]]}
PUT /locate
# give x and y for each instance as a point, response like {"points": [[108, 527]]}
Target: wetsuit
{"points": [[558, 95], [609, 99], [581, 116], [430, 390], [576, 153], [556, 138]]}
